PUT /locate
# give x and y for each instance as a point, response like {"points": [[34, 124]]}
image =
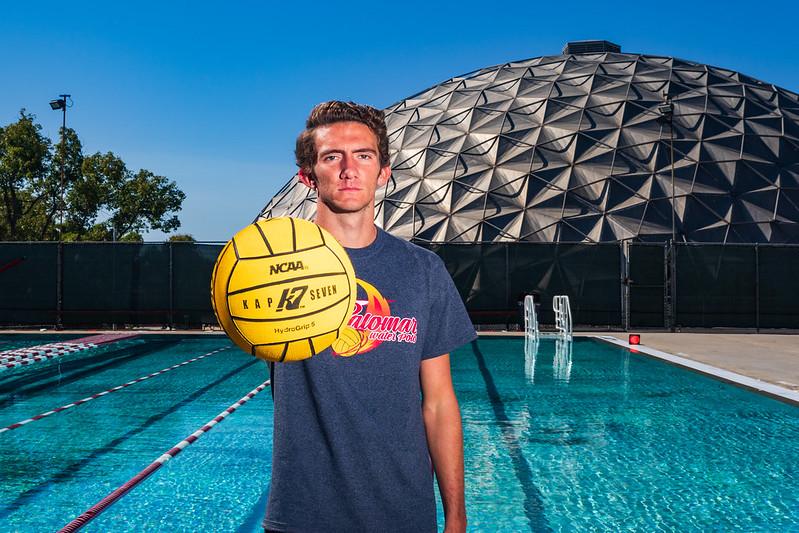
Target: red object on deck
{"points": [[634, 339]]}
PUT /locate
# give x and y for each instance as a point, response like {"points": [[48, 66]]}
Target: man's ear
{"points": [[385, 173], [306, 180]]}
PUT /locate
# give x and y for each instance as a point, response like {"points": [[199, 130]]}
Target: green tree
{"points": [[144, 201], [133, 203], [182, 237], [25, 156], [70, 151], [102, 198]]}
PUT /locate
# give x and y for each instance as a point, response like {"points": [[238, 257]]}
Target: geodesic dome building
{"points": [[592, 145]]}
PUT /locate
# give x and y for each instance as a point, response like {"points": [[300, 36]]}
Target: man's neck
{"points": [[351, 230]]}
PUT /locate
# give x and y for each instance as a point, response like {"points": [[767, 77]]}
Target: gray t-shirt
{"points": [[350, 451]]}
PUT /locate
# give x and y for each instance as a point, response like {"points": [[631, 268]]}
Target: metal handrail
{"points": [[563, 316], [530, 319]]}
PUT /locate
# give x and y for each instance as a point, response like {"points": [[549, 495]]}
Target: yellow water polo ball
{"points": [[283, 288]]}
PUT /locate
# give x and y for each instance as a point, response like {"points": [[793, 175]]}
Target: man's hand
{"points": [[442, 421]]}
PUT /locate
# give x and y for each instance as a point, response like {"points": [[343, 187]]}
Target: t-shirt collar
{"points": [[375, 246]]}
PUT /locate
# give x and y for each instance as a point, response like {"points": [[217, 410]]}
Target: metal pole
{"points": [[60, 254], [667, 286], [63, 163], [757, 288], [673, 196], [507, 284], [625, 284], [59, 319], [171, 288], [673, 288]]}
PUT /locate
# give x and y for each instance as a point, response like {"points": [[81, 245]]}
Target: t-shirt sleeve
{"points": [[450, 326]]}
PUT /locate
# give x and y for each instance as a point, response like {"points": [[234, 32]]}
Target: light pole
{"points": [[55, 105], [666, 110]]}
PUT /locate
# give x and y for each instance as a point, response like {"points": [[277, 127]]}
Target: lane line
{"points": [[534, 508], [129, 485], [109, 391], [97, 452]]}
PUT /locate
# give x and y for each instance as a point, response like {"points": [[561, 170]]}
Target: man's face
{"points": [[347, 170]]}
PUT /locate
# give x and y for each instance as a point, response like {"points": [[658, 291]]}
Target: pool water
{"points": [[56, 468], [598, 439], [558, 437]]}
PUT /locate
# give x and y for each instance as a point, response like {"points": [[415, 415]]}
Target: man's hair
{"points": [[335, 111]]}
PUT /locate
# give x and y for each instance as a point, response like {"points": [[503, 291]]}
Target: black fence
{"points": [[618, 286], [493, 279], [98, 284], [737, 286]]}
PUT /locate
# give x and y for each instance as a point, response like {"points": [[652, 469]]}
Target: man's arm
{"points": [[442, 421]]}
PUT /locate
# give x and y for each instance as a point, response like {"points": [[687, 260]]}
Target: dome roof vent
{"points": [[591, 47]]}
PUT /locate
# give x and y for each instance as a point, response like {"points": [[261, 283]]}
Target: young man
{"points": [[357, 434]]}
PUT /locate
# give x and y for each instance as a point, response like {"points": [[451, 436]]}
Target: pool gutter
{"points": [[756, 385]]}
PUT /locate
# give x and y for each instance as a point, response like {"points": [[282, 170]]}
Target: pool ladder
{"points": [[530, 319], [563, 316], [562, 361]]}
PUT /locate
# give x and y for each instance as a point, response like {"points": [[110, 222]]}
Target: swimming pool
{"points": [[591, 438], [604, 440], [56, 468]]}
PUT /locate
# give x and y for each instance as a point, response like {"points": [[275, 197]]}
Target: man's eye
{"points": [[365, 156], [329, 158]]}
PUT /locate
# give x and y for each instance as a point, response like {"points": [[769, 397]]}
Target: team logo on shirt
{"points": [[372, 324]]}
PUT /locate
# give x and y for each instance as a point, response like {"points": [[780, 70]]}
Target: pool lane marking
{"points": [[756, 385], [70, 469], [33, 354], [83, 343], [35, 359], [36, 350], [129, 485], [25, 356], [533, 499], [109, 391], [21, 356]]}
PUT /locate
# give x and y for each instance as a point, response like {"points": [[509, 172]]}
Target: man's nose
{"points": [[348, 170]]}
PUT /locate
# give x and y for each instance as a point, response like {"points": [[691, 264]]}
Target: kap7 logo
{"points": [[290, 298]]}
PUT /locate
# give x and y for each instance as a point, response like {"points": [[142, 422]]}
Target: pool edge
{"points": [[756, 385]]}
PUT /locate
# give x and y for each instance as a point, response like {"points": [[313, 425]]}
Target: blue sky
{"points": [[212, 95]]}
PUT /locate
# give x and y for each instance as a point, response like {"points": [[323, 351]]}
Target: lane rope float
{"points": [[33, 354], [26, 356], [129, 485], [105, 392]]}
